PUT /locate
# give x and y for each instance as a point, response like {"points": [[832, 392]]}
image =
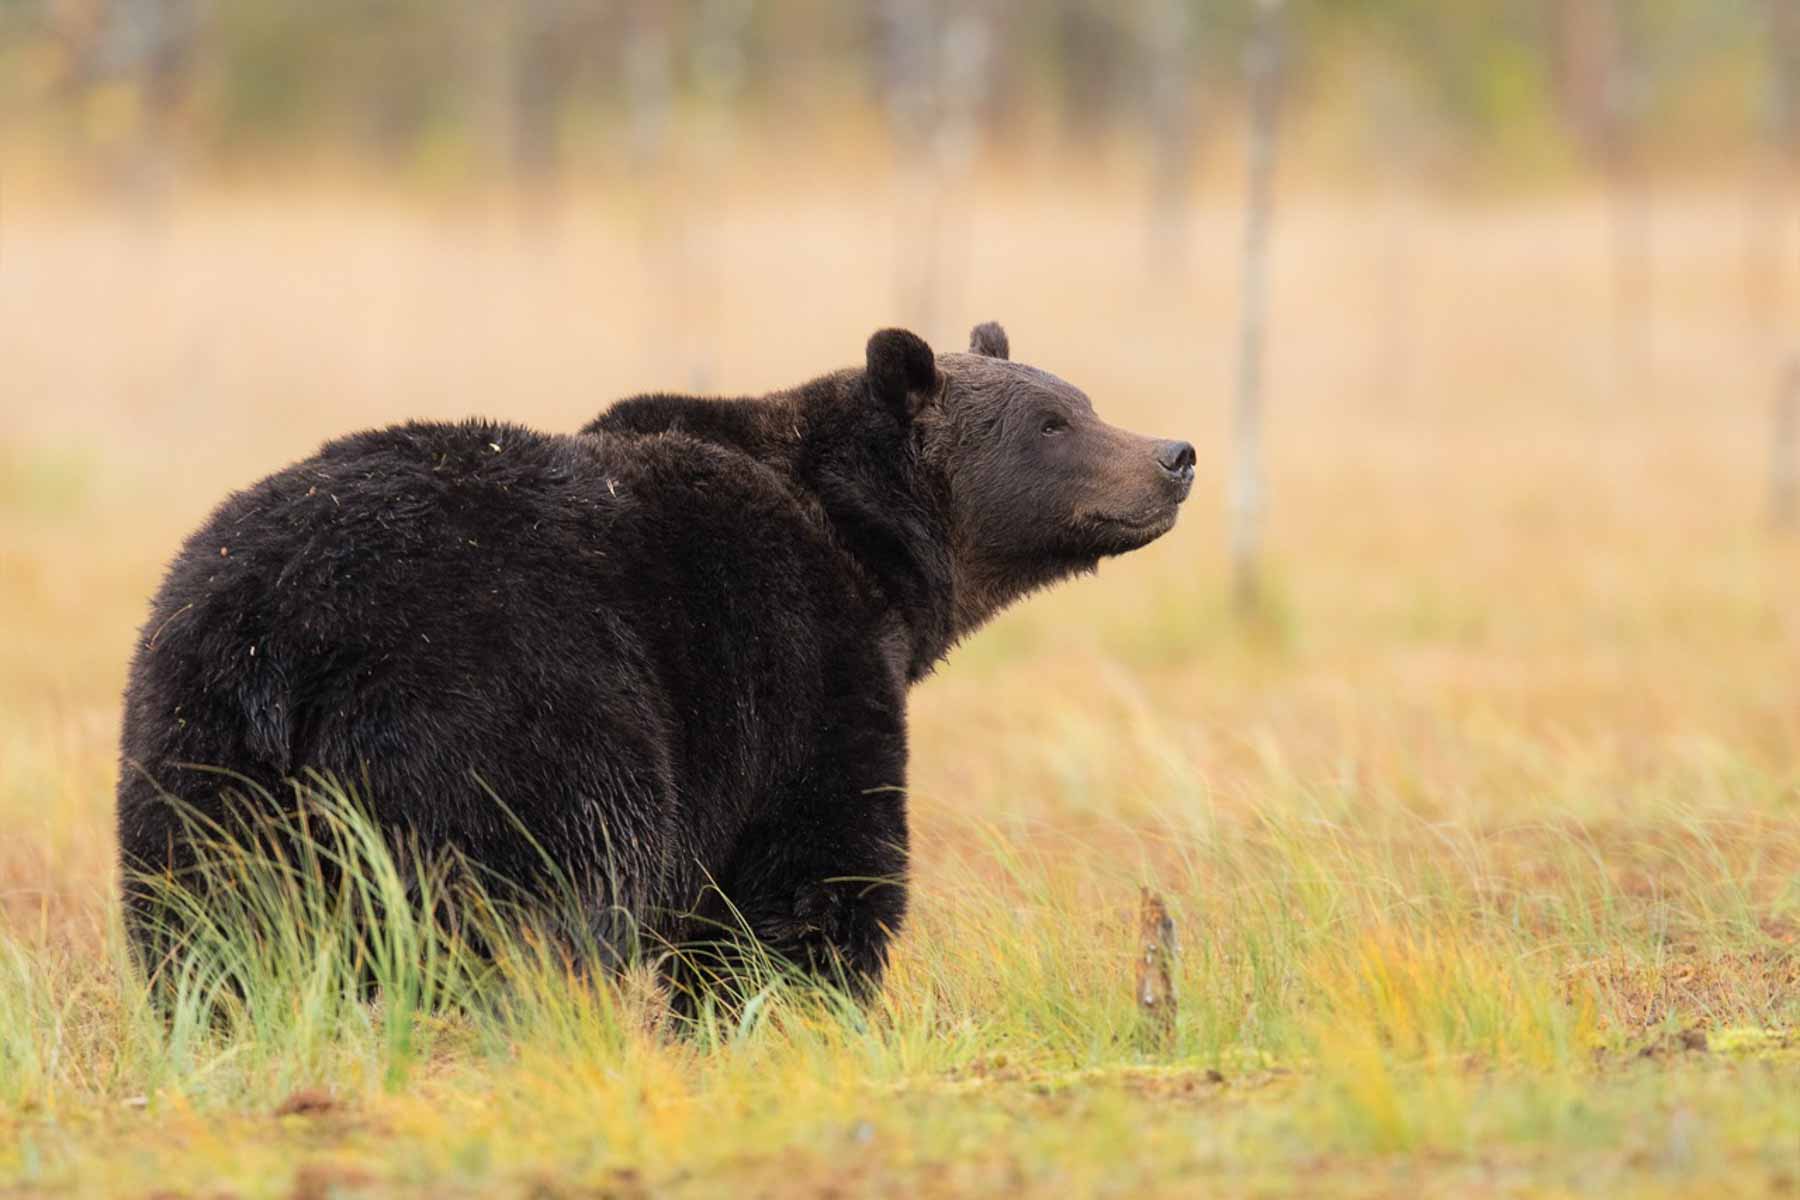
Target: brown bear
{"points": [[669, 655]]}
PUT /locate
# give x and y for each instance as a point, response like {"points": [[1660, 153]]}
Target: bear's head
{"points": [[1036, 485], [961, 481]]}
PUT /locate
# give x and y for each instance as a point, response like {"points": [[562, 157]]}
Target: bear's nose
{"points": [[1177, 458]]}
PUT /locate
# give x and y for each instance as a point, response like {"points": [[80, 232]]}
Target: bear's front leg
{"points": [[838, 927], [820, 886]]}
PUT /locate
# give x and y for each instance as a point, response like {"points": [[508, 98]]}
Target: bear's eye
{"points": [[1053, 425]]}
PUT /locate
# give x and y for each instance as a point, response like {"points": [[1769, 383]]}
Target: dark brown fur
{"points": [[677, 645]]}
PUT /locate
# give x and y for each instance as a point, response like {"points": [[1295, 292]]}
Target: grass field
{"points": [[1483, 845]]}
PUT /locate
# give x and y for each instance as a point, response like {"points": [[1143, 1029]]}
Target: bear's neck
{"points": [[887, 512], [984, 590]]}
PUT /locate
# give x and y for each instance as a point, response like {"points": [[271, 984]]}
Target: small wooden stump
{"points": [[1156, 970], [307, 1102]]}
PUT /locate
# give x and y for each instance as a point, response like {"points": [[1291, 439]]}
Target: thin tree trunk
{"points": [[1602, 86], [1248, 495], [538, 83], [1172, 133], [1395, 256], [1586, 51], [1632, 273], [1765, 232], [936, 71], [965, 50], [1629, 187], [1766, 250], [719, 67], [649, 84], [914, 104], [152, 41], [664, 205], [1784, 454], [1401, 216]]}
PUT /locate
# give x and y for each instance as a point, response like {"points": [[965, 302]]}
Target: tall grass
{"points": [[1388, 962], [1468, 847], [300, 920], [306, 933]]}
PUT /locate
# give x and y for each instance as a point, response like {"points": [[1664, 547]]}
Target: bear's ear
{"points": [[902, 371], [989, 339]]}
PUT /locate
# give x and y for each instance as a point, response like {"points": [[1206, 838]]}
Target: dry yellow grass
{"points": [[1499, 804]]}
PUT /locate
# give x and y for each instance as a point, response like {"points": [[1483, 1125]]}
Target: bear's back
{"points": [[415, 607]]}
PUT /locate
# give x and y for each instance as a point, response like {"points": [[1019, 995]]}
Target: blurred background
{"points": [[1479, 311], [1470, 673], [144, 95]]}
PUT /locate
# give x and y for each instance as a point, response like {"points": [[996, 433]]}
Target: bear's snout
{"points": [[1177, 461]]}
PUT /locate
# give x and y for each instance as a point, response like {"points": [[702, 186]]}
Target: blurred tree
{"points": [[1005, 97], [721, 64], [1767, 256], [1765, 244], [1168, 50], [649, 81], [406, 74], [155, 40], [1477, 67], [1586, 62], [1248, 496], [147, 47], [395, 76], [270, 79], [1398, 152], [1784, 454], [719, 69], [935, 69], [544, 47], [908, 40], [1093, 53], [967, 49], [1604, 77]]}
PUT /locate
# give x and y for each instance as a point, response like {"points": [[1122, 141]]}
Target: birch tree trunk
{"points": [[538, 78], [1766, 249], [1784, 455], [1632, 253], [719, 69], [913, 102], [964, 53], [649, 83], [936, 67], [1172, 133], [152, 42], [1248, 490], [1396, 145], [662, 203], [1604, 82]]}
